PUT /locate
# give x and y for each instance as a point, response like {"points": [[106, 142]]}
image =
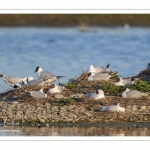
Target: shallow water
{"points": [[63, 51], [74, 131]]}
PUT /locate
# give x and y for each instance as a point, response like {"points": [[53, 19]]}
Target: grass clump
{"points": [[110, 88], [71, 85], [141, 86]]}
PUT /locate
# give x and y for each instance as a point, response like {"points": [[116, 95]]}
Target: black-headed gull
{"points": [[11, 81], [38, 94], [34, 82], [99, 76], [98, 95], [54, 88], [148, 66], [132, 94], [99, 70], [116, 108], [123, 82], [46, 76]]}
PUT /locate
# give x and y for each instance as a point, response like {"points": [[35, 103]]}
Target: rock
{"points": [[47, 104], [38, 108], [55, 108], [148, 107], [78, 95], [143, 108], [134, 108], [59, 96], [145, 119], [15, 103], [42, 120]]}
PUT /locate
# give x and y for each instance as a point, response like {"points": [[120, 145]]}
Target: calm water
{"points": [[74, 131], [63, 51]]}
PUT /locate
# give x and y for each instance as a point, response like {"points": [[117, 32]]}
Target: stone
{"points": [[47, 104], [15, 103], [145, 119], [148, 107], [143, 107], [59, 96], [38, 108], [134, 108], [78, 95]]}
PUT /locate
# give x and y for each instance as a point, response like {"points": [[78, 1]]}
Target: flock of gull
{"points": [[94, 74]]}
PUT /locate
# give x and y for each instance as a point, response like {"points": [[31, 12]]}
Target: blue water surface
{"points": [[63, 51]]}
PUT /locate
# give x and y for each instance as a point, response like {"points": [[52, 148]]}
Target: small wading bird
{"points": [[12, 81], [113, 108], [132, 94], [38, 94], [46, 76], [99, 70], [54, 88], [100, 76], [98, 95]]}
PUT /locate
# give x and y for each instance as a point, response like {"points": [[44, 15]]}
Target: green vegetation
{"points": [[71, 85], [110, 88], [74, 19], [63, 102], [142, 86]]}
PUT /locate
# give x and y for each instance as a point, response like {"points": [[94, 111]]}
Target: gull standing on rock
{"points": [[100, 76], [54, 88], [38, 94], [116, 108], [123, 82], [46, 76], [11, 81], [99, 70], [98, 95], [132, 94]]}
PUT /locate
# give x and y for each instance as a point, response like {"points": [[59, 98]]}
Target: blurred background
{"points": [[66, 44]]}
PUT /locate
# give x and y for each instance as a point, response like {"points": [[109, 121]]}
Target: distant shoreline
{"points": [[74, 20]]}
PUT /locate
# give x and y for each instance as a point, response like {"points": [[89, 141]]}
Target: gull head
{"points": [[52, 86], [91, 74], [38, 69], [99, 91]]}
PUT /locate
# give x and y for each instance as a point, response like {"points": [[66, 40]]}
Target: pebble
{"points": [[59, 96], [143, 107], [78, 95], [68, 113]]}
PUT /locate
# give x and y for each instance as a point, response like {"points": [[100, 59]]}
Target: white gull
{"points": [[46, 76]]}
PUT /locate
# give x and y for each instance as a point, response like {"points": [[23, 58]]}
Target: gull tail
{"points": [[61, 84], [107, 66], [1, 75], [58, 77]]}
